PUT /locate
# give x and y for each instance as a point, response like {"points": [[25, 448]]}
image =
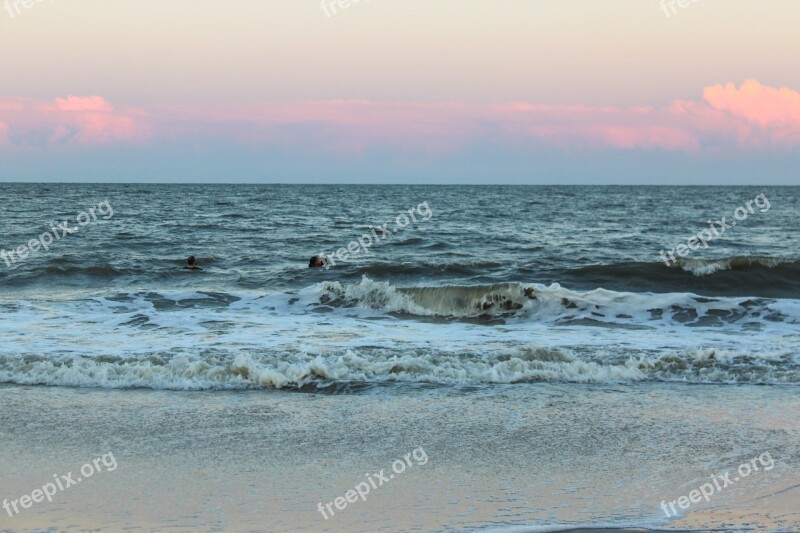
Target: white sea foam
{"points": [[706, 267], [372, 332]]}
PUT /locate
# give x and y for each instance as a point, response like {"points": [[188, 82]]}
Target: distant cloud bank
{"points": [[750, 117]]}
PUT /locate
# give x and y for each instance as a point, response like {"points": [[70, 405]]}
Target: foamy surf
{"points": [[372, 333], [302, 370]]}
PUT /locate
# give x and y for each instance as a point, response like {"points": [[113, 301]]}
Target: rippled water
{"points": [[489, 285]]}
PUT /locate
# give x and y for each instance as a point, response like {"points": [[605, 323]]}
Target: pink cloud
{"points": [[728, 118], [757, 103], [91, 103], [339, 126], [71, 120], [771, 116], [620, 137], [725, 119], [600, 127], [11, 106]]}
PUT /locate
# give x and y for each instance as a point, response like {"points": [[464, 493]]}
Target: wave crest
{"points": [[301, 371], [552, 304], [706, 267]]}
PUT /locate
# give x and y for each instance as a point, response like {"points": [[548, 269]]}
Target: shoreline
{"points": [[508, 457]]}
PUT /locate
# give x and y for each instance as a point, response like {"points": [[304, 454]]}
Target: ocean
{"points": [[567, 357]]}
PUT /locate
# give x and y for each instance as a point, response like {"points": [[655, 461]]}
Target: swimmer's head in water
{"points": [[316, 262], [192, 261]]}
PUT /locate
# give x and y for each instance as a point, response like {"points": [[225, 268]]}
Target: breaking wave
{"points": [[308, 371], [554, 304], [334, 335]]}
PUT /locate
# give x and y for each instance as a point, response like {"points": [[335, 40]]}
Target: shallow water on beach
{"points": [[549, 455]]}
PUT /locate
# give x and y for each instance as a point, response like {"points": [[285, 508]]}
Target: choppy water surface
{"points": [[490, 285]]}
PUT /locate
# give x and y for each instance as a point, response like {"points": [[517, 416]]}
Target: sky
{"points": [[401, 91]]}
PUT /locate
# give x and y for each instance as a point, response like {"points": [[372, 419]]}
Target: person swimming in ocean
{"points": [[191, 263], [316, 262]]}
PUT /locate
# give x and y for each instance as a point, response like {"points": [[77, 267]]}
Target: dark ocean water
{"points": [[483, 285]]}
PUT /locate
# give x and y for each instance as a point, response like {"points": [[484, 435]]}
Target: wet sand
{"points": [[518, 458]]}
